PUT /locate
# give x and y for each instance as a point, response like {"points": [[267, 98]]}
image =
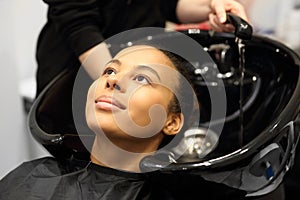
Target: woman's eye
{"points": [[110, 72], [142, 79]]}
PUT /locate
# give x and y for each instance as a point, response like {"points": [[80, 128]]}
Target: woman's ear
{"points": [[173, 124]]}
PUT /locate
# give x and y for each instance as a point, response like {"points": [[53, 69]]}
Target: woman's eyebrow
{"points": [[115, 61], [145, 67], [138, 67]]}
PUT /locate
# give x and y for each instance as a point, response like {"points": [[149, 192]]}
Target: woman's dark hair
{"points": [[185, 100]]}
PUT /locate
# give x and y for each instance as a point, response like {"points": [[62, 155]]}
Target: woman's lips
{"points": [[108, 103]]}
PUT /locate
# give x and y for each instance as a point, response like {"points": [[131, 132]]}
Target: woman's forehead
{"points": [[143, 54], [136, 49], [148, 57]]}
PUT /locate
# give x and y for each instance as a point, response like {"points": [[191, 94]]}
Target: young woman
{"points": [[135, 107]]}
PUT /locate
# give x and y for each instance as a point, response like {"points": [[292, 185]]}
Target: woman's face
{"points": [[131, 96]]}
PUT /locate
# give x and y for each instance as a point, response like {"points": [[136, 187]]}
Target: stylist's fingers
{"points": [[213, 24], [221, 7], [216, 25]]}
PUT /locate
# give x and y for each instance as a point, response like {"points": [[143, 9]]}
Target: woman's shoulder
{"points": [[47, 166], [69, 179], [28, 167], [48, 160], [35, 177]]}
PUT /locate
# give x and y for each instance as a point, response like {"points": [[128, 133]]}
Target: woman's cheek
{"points": [[144, 107], [90, 114]]}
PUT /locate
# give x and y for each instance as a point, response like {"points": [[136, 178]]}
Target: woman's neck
{"points": [[106, 153]]}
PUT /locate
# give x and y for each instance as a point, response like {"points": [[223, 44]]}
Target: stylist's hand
{"points": [[217, 16]]}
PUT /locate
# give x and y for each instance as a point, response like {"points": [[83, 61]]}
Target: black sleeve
{"points": [[78, 21], [168, 9]]}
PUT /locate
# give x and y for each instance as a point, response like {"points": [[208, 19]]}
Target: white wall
{"points": [[278, 19], [20, 23]]}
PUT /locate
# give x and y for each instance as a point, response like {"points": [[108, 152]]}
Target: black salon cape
{"points": [[48, 179]]}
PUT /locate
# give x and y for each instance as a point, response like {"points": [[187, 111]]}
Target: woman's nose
{"points": [[112, 83]]}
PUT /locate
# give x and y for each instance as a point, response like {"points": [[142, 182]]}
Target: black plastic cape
{"points": [[50, 179]]}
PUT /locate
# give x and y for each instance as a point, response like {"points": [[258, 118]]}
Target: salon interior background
{"points": [[20, 23]]}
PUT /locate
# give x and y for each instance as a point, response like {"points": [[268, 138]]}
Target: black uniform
{"points": [[47, 178], [75, 26]]}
